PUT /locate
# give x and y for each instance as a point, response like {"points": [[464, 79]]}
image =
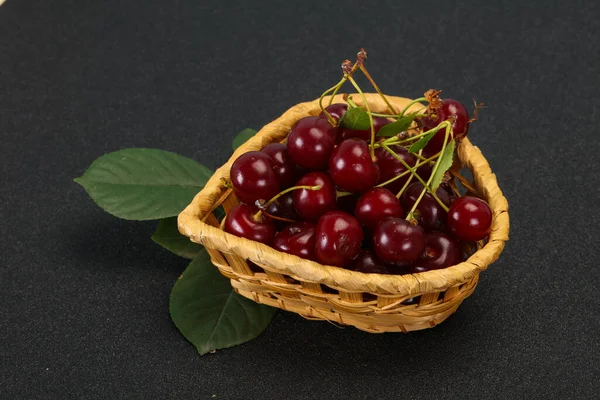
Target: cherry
{"points": [[470, 218], [389, 167], [441, 251], [397, 241], [311, 204], [432, 215], [376, 204], [287, 172], [378, 123], [243, 220], [311, 142], [351, 166], [336, 111], [297, 239], [253, 177], [368, 263], [451, 109], [283, 207], [338, 238]]}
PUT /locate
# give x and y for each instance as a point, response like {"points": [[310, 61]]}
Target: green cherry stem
{"points": [[425, 161], [426, 187], [420, 99], [333, 89], [353, 82], [278, 195], [385, 100]]}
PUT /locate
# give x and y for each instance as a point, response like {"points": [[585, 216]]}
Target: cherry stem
{"points": [[353, 82], [268, 203], [278, 218], [331, 89], [339, 194], [435, 168], [425, 161], [397, 116], [420, 99], [394, 140], [364, 71]]}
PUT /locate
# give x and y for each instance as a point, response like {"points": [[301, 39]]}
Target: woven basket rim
{"points": [[190, 220]]}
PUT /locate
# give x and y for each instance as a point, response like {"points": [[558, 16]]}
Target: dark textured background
{"points": [[84, 296]]}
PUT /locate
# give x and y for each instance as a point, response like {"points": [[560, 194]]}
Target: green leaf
{"points": [[421, 143], [143, 184], [167, 235], [242, 137], [209, 313], [356, 118], [396, 127], [445, 162]]}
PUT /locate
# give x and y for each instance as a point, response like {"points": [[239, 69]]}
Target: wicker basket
{"points": [[370, 302]]}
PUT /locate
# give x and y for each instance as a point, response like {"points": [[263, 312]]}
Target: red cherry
{"points": [[450, 109], [338, 238], [241, 221], [311, 204], [432, 215], [470, 218], [287, 172], [311, 142], [351, 167], [253, 177], [378, 123], [336, 111], [389, 167], [397, 241], [297, 239], [283, 207], [441, 251], [376, 204], [368, 263]]}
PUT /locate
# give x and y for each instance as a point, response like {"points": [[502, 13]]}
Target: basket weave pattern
{"points": [[370, 302]]}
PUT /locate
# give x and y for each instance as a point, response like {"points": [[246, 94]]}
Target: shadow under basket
{"points": [[371, 302]]}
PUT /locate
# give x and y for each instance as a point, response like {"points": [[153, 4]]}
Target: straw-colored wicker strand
{"points": [[415, 284]]}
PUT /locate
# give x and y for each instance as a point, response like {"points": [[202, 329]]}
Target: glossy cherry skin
{"points": [[351, 167], [240, 222], [368, 263], [441, 251], [283, 207], [432, 215], [297, 239], [253, 177], [390, 167], [376, 204], [469, 218], [336, 111], [287, 172], [338, 240], [450, 109], [311, 204], [311, 142], [397, 241], [378, 123]]}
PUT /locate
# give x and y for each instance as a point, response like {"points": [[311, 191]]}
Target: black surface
{"points": [[85, 296]]}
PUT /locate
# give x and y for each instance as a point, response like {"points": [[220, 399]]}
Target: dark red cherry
{"points": [[338, 238], [378, 123], [432, 215], [311, 204], [297, 239], [336, 111], [253, 177], [470, 218], [397, 241], [351, 167], [368, 263], [283, 207], [390, 167], [376, 204], [311, 142], [287, 172], [450, 109], [441, 251], [241, 221]]}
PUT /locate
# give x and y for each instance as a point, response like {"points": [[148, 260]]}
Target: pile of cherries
{"points": [[322, 196]]}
